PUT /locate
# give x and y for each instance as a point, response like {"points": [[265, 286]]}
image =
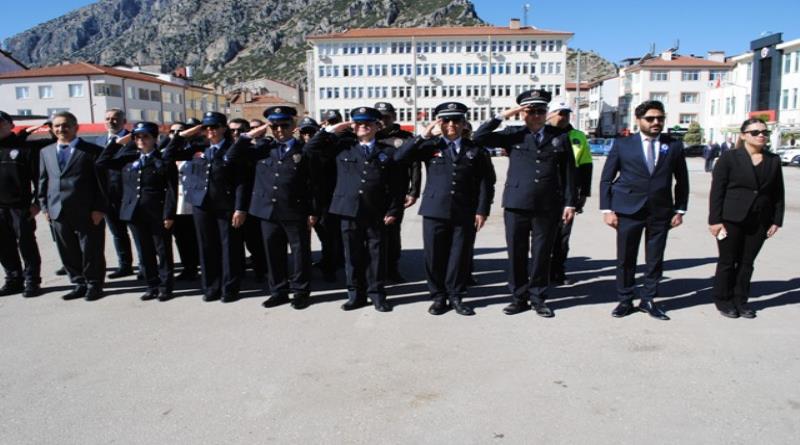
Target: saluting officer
{"points": [[282, 204], [149, 195], [19, 173], [540, 189], [368, 196], [458, 195], [219, 193], [393, 135]]}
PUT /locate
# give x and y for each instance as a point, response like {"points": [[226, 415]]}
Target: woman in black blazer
{"points": [[746, 208]]}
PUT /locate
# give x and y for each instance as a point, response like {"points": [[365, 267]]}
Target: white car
{"points": [[788, 155]]}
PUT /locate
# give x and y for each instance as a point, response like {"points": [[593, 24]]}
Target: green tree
{"points": [[694, 135]]}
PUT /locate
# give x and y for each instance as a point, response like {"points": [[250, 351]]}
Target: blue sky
{"points": [[615, 30]]}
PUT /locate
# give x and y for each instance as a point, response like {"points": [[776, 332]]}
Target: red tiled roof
{"points": [[681, 62], [439, 31], [82, 69], [573, 85]]}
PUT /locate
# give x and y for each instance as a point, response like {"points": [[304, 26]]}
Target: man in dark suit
{"points": [[370, 187], [218, 189], [115, 126], [72, 199], [281, 204], [457, 199], [636, 195], [540, 190]]}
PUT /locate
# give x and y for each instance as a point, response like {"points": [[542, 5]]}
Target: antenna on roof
{"points": [[675, 46], [649, 54]]}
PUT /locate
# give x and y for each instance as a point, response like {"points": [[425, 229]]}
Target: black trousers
{"points": [[448, 256], [254, 242], [365, 255], [530, 231], [737, 253], [329, 232], [186, 241], [154, 245], [629, 236], [18, 237], [394, 245], [561, 250], [119, 235], [81, 249], [220, 247], [277, 236]]}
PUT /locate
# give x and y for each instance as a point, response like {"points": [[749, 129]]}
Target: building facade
{"points": [[416, 69]]}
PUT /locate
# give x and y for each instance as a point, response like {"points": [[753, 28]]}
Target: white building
{"points": [[680, 82], [789, 109], [728, 103], [416, 69], [602, 118]]}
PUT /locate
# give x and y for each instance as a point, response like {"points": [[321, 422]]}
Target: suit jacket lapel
{"points": [[638, 153], [661, 156], [72, 158]]}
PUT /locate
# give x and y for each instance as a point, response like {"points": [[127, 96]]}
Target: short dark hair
{"points": [[751, 121], [245, 125], [642, 109], [71, 119]]}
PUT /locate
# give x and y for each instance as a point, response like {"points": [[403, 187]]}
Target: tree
{"points": [[694, 135]]}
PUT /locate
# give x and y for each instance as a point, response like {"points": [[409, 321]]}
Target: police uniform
{"points": [[583, 187], [19, 172], [370, 186], [116, 226], [459, 186], [282, 203], [540, 183], [216, 187], [149, 195], [328, 227], [395, 136]]}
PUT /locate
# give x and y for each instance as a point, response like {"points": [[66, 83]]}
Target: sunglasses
{"points": [[755, 133], [175, 131], [238, 130], [536, 111], [212, 127], [276, 126], [652, 119], [453, 119]]}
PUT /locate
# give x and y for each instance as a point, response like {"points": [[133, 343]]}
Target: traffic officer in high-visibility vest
{"points": [[558, 116]]}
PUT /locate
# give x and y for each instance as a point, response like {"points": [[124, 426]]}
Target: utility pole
{"points": [[578, 87]]}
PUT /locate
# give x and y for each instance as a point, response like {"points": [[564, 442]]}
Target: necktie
{"points": [[211, 151], [365, 149], [63, 154], [143, 161], [538, 138], [453, 148], [284, 148], [651, 156]]}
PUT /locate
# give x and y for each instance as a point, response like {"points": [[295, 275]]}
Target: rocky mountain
{"points": [[224, 40], [593, 66]]}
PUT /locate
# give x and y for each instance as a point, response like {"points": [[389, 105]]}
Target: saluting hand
{"points": [[257, 132], [428, 132], [511, 112], [125, 139], [191, 132], [341, 127]]}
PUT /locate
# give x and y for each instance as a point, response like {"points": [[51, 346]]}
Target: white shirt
{"points": [[646, 146], [456, 141]]}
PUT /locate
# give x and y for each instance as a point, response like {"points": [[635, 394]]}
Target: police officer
{"points": [[368, 197], [149, 195], [115, 126], [282, 204], [540, 190], [219, 194], [559, 114], [19, 173], [393, 135], [458, 195]]}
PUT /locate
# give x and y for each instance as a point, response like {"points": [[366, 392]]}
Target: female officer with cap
{"points": [[149, 195], [456, 201]]}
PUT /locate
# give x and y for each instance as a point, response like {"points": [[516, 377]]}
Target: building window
{"points": [[167, 98], [135, 114], [690, 75], [144, 94], [686, 119], [749, 70], [131, 93], [794, 99], [24, 112], [787, 63], [45, 92], [104, 89], [155, 96], [23, 92], [713, 106], [784, 99], [661, 97], [659, 76], [717, 74], [75, 90]]}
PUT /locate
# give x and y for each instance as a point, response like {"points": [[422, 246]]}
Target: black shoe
{"points": [[354, 302], [381, 305], [11, 287], [210, 296], [149, 295], [61, 271], [516, 307], [275, 301], [187, 275], [438, 307], [31, 290], [94, 294], [730, 313], [460, 308], [164, 295], [558, 280], [229, 297], [395, 277], [650, 308], [140, 275], [300, 301], [121, 272], [78, 292], [542, 310], [747, 312], [623, 309], [472, 281]]}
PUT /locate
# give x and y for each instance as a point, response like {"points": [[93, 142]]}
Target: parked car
{"points": [[787, 156], [795, 161], [600, 146], [693, 150]]}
